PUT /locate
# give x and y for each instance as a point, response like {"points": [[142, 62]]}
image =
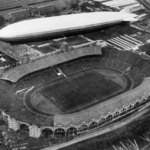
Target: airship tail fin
{"points": [[131, 19], [127, 10]]}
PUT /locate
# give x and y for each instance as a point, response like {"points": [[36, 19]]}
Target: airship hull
{"points": [[58, 34], [60, 25]]}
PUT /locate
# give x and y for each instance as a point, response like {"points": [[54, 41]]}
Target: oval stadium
{"points": [[66, 90], [83, 90]]}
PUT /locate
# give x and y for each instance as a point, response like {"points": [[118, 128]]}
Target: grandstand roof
{"points": [[16, 73]]}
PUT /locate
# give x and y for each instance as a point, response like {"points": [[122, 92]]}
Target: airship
{"points": [[62, 25]]}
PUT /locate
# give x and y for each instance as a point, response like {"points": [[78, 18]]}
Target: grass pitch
{"points": [[77, 92]]}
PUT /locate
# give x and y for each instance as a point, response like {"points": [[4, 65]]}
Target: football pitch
{"points": [[80, 91]]}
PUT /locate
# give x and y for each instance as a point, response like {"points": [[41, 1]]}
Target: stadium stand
{"points": [[146, 71], [141, 64], [20, 71], [122, 61]]}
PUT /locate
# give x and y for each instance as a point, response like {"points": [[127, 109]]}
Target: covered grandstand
{"points": [[16, 73]]}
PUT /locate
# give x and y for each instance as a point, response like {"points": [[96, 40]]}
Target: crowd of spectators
{"points": [[36, 79]]}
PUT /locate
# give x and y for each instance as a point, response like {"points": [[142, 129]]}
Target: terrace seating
{"points": [[125, 67], [137, 76], [132, 58], [126, 61], [141, 64], [117, 63], [4, 87], [109, 63], [114, 54], [122, 56], [36, 79], [146, 71], [134, 72], [114, 64], [93, 62], [65, 69], [138, 80], [76, 67], [103, 63]]}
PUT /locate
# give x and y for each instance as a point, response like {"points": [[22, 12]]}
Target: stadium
{"points": [[97, 87], [65, 88]]}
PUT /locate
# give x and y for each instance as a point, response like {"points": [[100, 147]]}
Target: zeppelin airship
{"points": [[61, 25]]}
